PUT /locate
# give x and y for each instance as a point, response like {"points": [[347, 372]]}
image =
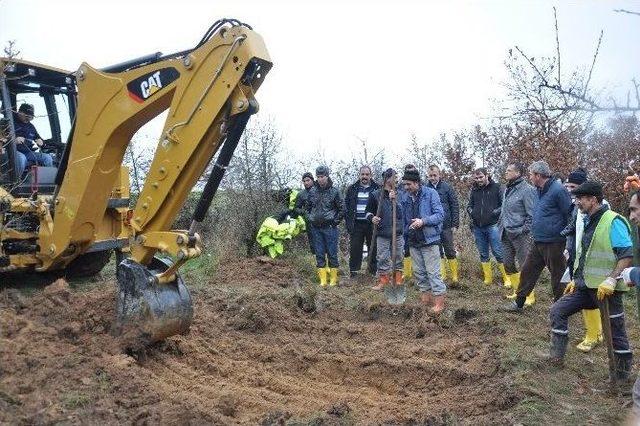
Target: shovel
{"points": [[396, 294]]}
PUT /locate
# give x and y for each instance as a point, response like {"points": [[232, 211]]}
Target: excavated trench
{"points": [[266, 349]]}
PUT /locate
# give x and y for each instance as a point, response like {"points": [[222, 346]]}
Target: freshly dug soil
{"points": [[266, 347]]}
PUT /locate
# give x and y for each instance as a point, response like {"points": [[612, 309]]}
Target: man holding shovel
{"points": [[385, 213], [603, 253]]}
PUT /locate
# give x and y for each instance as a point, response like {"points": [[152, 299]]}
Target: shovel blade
{"points": [[146, 310]]}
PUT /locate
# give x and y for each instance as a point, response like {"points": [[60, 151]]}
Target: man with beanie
{"points": [[383, 220], [485, 205], [550, 216], [358, 227], [423, 217], [449, 200], [515, 225], [402, 194], [601, 256], [301, 200], [325, 210]]}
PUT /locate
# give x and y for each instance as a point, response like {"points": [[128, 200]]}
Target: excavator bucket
{"points": [[148, 311]]}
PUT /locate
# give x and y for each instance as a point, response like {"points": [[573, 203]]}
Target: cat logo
{"points": [[144, 87], [151, 86]]}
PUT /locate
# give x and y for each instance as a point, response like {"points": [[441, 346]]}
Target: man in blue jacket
{"points": [[423, 217], [550, 216]]}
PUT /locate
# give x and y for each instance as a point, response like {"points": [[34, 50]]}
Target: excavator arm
{"points": [[209, 94]]}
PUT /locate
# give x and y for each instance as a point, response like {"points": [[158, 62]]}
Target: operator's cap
{"points": [[589, 188], [322, 171], [26, 109]]}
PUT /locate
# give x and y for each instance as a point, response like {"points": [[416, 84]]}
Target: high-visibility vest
{"points": [[292, 198], [600, 259]]}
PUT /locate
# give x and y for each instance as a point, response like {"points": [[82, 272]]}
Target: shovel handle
{"points": [[606, 330]]}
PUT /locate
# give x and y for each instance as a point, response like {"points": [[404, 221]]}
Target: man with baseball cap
{"points": [[605, 250], [28, 140]]}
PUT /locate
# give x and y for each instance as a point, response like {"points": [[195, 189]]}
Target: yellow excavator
{"points": [[72, 216]]}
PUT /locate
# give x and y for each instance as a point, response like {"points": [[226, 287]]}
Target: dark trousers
{"points": [[540, 255], [312, 246], [515, 247], [446, 244], [585, 298], [326, 244], [360, 235]]}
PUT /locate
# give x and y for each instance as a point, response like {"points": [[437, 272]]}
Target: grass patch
{"points": [[75, 400]]}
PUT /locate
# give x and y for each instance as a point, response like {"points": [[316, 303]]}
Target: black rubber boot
{"points": [[558, 348], [623, 366]]}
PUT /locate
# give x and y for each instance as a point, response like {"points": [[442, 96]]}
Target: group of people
{"points": [[420, 229], [531, 223]]}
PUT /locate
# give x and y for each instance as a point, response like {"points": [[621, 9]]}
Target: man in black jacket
{"points": [[358, 227], [485, 204], [449, 200], [325, 210]]}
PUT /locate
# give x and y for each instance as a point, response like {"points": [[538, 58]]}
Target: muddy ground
{"points": [[268, 347]]}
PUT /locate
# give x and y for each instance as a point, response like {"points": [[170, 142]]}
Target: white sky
{"points": [[370, 69]]}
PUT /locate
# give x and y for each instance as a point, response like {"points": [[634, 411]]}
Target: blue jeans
{"points": [[326, 244], [22, 163], [426, 269], [488, 237]]}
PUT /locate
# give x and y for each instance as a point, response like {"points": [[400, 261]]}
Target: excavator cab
{"points": [[52, 92]]}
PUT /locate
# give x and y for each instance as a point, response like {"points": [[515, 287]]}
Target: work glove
{"points": [[606, 288], [626, 277], [570, 288]]}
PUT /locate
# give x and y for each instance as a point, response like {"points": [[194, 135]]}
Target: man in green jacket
{"points": [[605, 251]]}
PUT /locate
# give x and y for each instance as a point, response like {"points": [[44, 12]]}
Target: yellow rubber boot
{"points": [[322, 274], [453, 265], [593, 327], [531, 299], [515, 283], [487, 273], [326, 262], [333, 280], [443, 269], [506, 282], [408, 269]]}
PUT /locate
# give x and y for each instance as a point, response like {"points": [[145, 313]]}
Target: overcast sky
{"points": [[378, 70]]}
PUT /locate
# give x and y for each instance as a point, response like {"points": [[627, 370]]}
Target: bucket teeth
{"points": [[146, 310]]}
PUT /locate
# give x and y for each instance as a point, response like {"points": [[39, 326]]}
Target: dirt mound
{"points": [[264, 348]]}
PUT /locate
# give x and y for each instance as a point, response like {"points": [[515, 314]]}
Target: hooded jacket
{"points": [[485, 204], [324, 206]]}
